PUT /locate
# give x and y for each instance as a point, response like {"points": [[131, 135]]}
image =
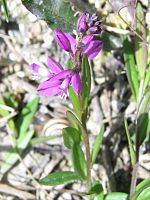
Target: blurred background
{"points": [[24, 40]]}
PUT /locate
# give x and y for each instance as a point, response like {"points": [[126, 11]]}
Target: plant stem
{"points": [[87, 147], [137, 143], [134, 179], [88, 161]]}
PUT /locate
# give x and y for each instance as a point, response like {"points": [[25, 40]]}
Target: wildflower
{"points": [[89, 23], [88, 47], [59, 80], [92, 48]]}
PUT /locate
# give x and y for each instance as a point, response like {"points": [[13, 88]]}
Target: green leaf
{"points": [[11, 156], [139, 54], [143, 126], [140, 188], [42, 139], [57, 13], [147, 78], [58, 178], [5, 7], [75, 122], [144, 195], [117, 196], [5, 113], [99, 197], [96, 188], [75, 102], [25, 117], [71, 136], [144, 183], [78, 160], [97, 144], [131, 148], [132, 73], [86, 83]]}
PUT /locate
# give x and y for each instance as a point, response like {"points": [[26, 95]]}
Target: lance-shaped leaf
{"points": [[57, 13], [86, 83], [97, 144], [79, 160], [5, 7], [75, 102], [131, 148], [132, 73], [71, 136], [141, 49], [26, 115], [58, 178]]}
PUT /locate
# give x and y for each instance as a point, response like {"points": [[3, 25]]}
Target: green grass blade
{"points": [[131, 149], [5, 7], [26, 115], [132, 73], [97, 144]]}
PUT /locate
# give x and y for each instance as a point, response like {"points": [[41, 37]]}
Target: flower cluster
{"points": [[59, 79]]}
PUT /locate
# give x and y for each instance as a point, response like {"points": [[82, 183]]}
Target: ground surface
{"points": [[25, 40]]}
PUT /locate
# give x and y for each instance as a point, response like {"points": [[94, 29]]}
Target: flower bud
{"points": [[62, 40], [81, 24]]}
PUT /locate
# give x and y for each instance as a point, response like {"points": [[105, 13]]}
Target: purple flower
{"points": [[89, 23], [62, 40], [89, 46], [81, 24], [92, 48], [59, 81]]}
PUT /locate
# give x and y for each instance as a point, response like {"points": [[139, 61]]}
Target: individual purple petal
{"points": [[54, 66], [35, 67], [49, 91], [48, 83], [72, 42], [76, 83], [49, 88], [92, 49], [81, 24], [62, 40], [94, 17], [87, 39], [93, 29], [65, 84], [61, 75]]}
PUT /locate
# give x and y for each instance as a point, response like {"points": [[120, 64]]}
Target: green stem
{"points": [[87, 147], [137, 143], [88, 161]]}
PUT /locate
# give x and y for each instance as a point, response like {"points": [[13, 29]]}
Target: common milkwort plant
{"points": [[75, 83], [67, 83]]}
